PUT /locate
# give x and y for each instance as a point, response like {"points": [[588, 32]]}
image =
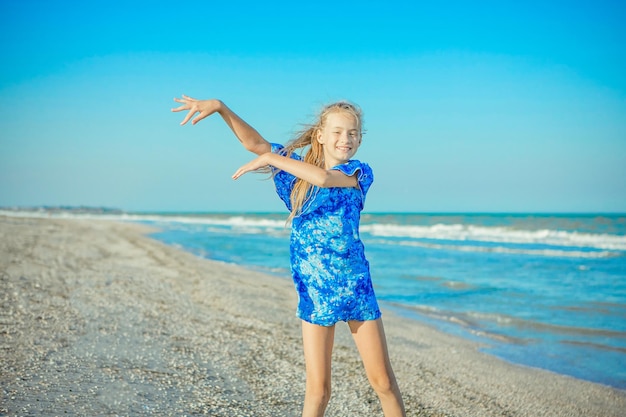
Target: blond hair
{"points": [[314, 155]]}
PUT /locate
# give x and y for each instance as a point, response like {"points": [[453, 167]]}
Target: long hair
{"points": [[306, 141]]}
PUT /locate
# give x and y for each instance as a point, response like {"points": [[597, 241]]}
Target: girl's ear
{"points": [[318, 135]]}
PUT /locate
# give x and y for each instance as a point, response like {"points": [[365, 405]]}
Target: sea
{"points": [[539, 290]]}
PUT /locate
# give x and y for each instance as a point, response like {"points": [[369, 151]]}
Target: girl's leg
{"points": [[369, 337], [318, 347]]}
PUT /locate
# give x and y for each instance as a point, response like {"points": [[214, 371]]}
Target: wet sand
{"points": [[98, 319]]}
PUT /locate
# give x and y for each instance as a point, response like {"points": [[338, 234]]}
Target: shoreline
{"points": [[99, 319]]}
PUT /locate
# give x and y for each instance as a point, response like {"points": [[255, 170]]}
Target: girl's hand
{"points": [[257, 163], [204, 107]]}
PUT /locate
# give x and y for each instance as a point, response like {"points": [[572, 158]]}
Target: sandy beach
{"points": [[99, 320]]}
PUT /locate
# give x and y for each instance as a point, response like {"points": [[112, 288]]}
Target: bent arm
{"points": [[317, 176], [246, 134]]}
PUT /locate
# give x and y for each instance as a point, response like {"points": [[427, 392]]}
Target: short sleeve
{"points": [[283, 180], [365, 175]]}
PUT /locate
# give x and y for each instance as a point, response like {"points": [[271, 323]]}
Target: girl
{"points": [[324, 191]]}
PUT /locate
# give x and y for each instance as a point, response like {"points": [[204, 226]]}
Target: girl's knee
{"points": [[319, 393], [383, 384]]}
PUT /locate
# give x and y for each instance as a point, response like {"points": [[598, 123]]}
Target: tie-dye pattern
{"points": [[328, 264]]}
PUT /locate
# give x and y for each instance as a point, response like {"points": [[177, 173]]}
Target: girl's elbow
{"points": [[251, 147], [331, 179], [258, 148], [326, 180]]}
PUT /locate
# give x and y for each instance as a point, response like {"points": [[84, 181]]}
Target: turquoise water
{"points": [[541, 290]]}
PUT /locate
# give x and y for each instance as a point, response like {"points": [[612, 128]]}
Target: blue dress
{"points": [[328, 264]]}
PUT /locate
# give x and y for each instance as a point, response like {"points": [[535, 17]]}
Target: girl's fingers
{"points": [[180, 108], [185, 105], [199, 117], [189, 115], [194, 106], [184, 100], [237, 174], [242, 170]]}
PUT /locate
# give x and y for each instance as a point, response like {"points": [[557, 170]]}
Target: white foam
{"points": [[221, 220], [599, 243], [460, 232], [503, 249]]}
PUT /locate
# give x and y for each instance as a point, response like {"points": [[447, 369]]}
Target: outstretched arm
{"points": [[310, 173], [247, 135]]}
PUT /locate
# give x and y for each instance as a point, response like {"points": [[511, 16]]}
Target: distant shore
{"points": [[98, 319]]}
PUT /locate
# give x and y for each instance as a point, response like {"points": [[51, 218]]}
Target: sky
{"points": [[469, 106]]}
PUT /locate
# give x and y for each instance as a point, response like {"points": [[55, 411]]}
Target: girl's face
{"points": [[340, 138]]}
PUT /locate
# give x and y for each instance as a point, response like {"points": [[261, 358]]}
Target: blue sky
{"points": [[469, 106]]}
